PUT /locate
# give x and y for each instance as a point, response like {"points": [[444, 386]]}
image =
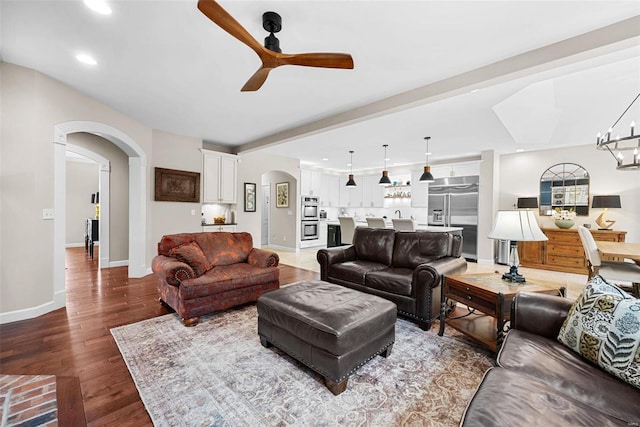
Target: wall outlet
{"points": [[47, 214], [193, 211]]}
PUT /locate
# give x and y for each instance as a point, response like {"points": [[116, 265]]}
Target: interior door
{"points": [[264, 213]]}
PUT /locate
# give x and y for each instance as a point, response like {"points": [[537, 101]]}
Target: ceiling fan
{"points": [[270, 55]]}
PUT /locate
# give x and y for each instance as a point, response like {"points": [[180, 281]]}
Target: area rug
{"points": [[218, 374]]}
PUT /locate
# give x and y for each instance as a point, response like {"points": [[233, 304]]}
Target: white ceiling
{"points": [[167, 65]]}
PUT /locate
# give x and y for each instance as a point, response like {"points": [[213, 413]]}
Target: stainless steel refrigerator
{"points": [[453, 202]]}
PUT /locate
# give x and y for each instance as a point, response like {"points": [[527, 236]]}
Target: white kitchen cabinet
{"points": [[323, 228], [329, 190], [372, 192], [419, 191], [220, 177], [219, 227], [350, 197], [310, 182]]}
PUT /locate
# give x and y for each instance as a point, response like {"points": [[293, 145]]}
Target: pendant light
{"points": [[351, 183], [385, 174], [426, 175]]}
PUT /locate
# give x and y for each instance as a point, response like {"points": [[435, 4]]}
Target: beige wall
{"points": [[252, 167], [173, 152], [520, 177], [32, 104], [82, 181], [118, 191]]}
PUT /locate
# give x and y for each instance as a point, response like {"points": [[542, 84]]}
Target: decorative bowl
{"points": [[564, 223]]}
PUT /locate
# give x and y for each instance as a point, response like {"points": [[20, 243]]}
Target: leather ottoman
{"points": [[332, 329]]}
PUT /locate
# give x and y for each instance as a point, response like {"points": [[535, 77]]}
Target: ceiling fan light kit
{"points": [[270, 54], [272, 22]]}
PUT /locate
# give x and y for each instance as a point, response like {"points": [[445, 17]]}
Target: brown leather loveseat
{"points": [[405, 267], [199, 273], [541, 382]]}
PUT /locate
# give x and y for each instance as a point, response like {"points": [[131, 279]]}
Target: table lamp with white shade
{"points": [[516, 226]]}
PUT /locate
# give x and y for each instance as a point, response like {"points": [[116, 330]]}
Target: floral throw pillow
{"points": [[191, 253], [603, 326]]}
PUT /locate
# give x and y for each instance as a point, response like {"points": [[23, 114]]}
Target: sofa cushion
{"points": [[171, 241], [354, 271], [226, 278], [603, 325], [225, 248], [507, 398], [374, 244], [392, 280], [419, 247], [560, 368], [191, 253]]}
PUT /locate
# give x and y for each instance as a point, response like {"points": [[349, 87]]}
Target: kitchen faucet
{"points": [[399, 213]]}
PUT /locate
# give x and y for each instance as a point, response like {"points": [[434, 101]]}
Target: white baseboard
{"points": [[59, 301], [122, 263], [283, 248], [485, 261], [74, 245]]}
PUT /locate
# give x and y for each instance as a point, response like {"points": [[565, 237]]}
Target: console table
{"points": [[563, 251], [90, 235]]}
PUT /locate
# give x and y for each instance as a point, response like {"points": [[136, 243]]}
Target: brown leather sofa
{"points": [[199, 273], [539, 381], [405, 267]]}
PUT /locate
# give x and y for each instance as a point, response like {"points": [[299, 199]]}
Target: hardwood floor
{"points": [[75, 340]]}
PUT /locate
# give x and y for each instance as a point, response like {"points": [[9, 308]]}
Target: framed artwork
{"points": [[249, 197], [282, 195], [177, 186]]}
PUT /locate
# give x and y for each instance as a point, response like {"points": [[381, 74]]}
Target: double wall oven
{"points": [[310, 218]]}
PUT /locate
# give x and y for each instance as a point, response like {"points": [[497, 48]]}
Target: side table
{"points": [[488, 304]]}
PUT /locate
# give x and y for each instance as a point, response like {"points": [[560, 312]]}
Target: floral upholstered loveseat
{"points": [[199, 273]]}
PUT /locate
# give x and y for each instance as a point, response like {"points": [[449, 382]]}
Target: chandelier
{"points": [[621, 144]]}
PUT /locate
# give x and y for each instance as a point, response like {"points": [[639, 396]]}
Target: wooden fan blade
{"points": [[256, 81], [324, 60], [221, 17]]}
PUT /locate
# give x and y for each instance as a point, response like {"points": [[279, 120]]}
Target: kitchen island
{"points": [[419, 226], [335, 230]]}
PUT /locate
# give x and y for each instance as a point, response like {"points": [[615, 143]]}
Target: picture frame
{"points": [[173, 185], [249, 197], [282, 195]]}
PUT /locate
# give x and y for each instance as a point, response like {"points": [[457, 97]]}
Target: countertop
{"points": [[419, 226], [224, 223]]}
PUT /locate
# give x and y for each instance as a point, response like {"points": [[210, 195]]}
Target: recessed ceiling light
{"points": [[325, 159], [99, 6], [86, 59], [475, 90], [519, 150]]}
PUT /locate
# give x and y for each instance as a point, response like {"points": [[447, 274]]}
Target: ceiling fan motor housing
{"points": [[272, 22]]}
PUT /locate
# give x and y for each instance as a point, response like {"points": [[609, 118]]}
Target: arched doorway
{"points": [[137, 198]]}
